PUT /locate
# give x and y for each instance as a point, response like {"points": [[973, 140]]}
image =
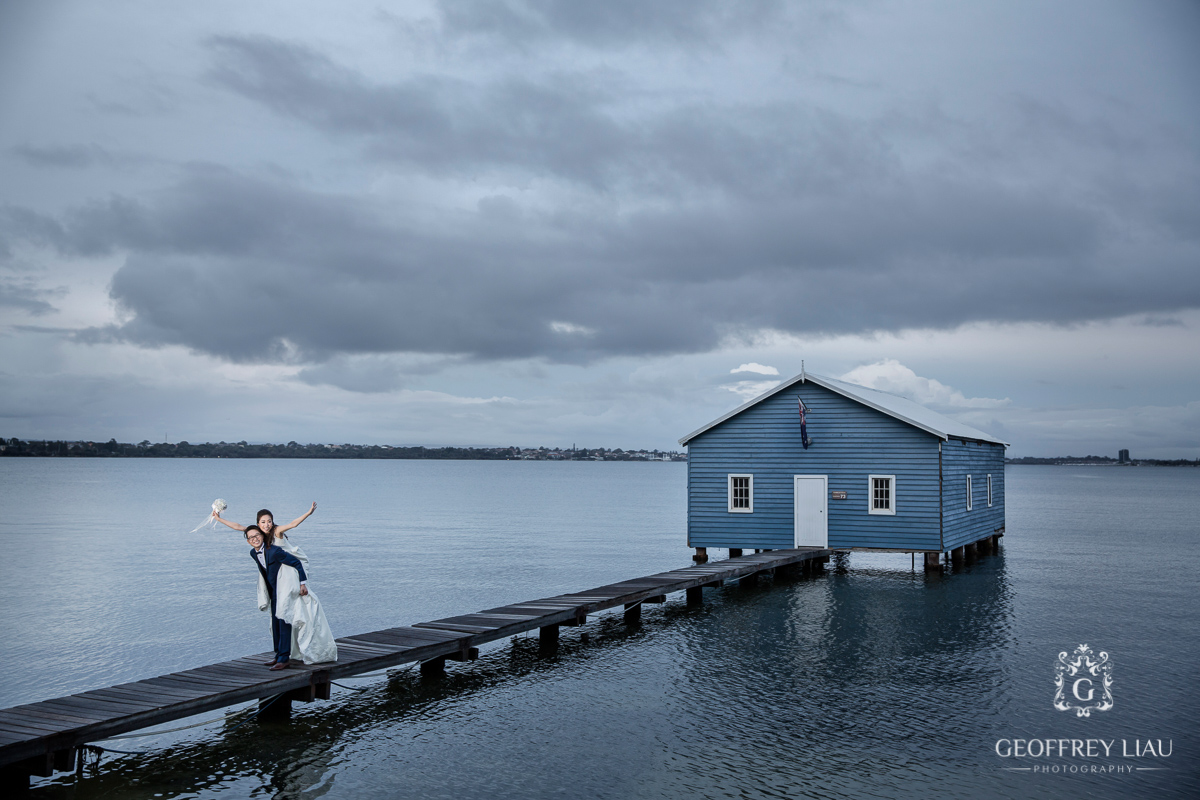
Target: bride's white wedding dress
{"points": [[312, 640]]}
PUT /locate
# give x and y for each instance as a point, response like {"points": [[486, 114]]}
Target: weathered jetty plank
{"points": [[37, 737]]}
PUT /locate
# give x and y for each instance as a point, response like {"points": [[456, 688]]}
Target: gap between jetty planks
{"points": [[51, 728]]}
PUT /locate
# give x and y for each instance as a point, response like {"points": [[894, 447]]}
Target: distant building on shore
{"points": [[1122, 456]]}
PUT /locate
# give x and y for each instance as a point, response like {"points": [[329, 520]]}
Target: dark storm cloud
{"points": [[688, 222], [438, 123], [251, 270]]}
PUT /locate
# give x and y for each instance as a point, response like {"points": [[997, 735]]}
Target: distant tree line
{"points": [[1103, 461], [145, 449]]}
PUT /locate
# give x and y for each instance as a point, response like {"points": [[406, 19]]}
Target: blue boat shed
{"points": [[880, 472]]}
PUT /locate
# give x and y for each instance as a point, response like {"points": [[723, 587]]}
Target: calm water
{"points": [[873, 680]]}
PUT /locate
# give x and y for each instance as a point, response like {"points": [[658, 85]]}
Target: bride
{"points": [[312, 640]]}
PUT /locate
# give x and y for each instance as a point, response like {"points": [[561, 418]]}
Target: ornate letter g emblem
{"points": [[1086, 671]]}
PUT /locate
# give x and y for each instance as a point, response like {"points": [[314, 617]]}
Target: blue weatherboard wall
{"points": [[960, 459], [850, 442]]}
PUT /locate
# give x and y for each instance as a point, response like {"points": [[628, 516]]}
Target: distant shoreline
{"points": [[113, 449], [16, 448], [1101, 461]]}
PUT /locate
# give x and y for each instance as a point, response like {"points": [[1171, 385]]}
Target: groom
{"points": [[269, 558]]}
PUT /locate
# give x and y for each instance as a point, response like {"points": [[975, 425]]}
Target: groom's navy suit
{"points": [[281, 632]]}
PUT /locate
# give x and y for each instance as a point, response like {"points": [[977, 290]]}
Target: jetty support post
{"points": [[633, 613], [695, 596], [789, 571], [701, 555], [548, 639], [275, 710], [65, 760], [14, 781], [14, 778], [434, 667], [465, 654]]}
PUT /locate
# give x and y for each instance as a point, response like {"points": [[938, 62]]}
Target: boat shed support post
{"points": [[701, 555], [933, 561], [958, 554], [735, 552]]}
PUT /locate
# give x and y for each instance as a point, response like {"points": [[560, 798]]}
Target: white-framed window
{"points": [[741, 494], [989, 491], [881, 494], [968, 493]]}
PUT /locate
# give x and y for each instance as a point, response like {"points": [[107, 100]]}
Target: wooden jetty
{"points": [[38, 738]]}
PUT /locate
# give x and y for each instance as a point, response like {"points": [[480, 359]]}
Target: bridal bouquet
{"points": [[210, 521]]}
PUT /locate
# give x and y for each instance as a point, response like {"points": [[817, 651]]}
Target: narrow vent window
{"points": [[968, 493]]}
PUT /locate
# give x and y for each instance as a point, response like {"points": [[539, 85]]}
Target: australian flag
{"points": [[803, 423]]}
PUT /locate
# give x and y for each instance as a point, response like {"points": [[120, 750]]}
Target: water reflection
{"points": [[869, 680], [847, 670]]}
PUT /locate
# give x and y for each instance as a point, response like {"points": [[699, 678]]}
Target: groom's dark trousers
{"points": [[281, 632]]}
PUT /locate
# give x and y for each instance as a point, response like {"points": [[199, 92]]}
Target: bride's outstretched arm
{"points": [[227, 523], [285, 528]]}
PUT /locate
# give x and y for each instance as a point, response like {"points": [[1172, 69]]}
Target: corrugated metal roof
{"points": [[893, 405]]}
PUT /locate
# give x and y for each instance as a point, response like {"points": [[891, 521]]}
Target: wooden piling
{"points": [[434, 667], [277, 710], [548, 638]]}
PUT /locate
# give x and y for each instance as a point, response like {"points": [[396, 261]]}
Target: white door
{"points": [[812, 527]]}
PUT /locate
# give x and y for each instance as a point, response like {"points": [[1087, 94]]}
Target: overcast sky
{"points": [[547, 222]]}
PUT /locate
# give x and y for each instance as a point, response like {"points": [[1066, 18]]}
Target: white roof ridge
{"points": [[893, 405]]}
